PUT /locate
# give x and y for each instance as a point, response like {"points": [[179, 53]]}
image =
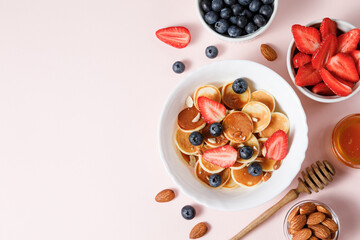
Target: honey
{"points": [[346, 140]]}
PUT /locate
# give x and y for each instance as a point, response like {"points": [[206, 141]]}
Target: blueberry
{"points": [[241, 21], [211, 17], [229, 2], [178, 67], [188, 212], [255, 169], [240, 85], [217, 5], [259, 20], [215, 180], [211, 52], [206, 5], [247, 14], [255, 5], [246, 152], [234, 31], [234, 19], [266, 10], [221, 26], [250, 27], [267, 1], [225, 13], [215, 129], [244, 2], [196, 138], [237, 9]]}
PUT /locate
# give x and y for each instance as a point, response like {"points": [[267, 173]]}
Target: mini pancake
{"points": [[209, 167], [265, 98], [237, 127], [244, 179], [203, 175], [211, 140], [187, 120], [238, 165], [234, 100], [254, 143], [260, 114], [269, 165], [231, 184], [208, 91], [278, 122], [261, 145], [183, 143]]}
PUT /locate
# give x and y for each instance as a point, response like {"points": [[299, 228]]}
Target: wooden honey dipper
{"points": [[316, 177]]}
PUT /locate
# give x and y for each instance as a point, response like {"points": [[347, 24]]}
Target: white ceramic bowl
{"points": [[241, 38], [259, 77], [343, 26]]}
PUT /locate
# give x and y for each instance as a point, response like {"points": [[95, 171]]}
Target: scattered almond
{"points": [[297, 222], [330, 224], [320, 231], [165, 195], [196, 118], [303, 234], [211, 140], [293, 213], [307, 208], [255, 119], [198, 230], [324, 210], [189, 102], [192, 161], [268, 52], [315, 218]]}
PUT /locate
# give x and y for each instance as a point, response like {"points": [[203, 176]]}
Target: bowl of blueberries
{"points": [[237, 20]]}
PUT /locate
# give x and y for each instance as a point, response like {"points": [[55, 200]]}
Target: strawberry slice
{"points": [[348, 41], [307, 76], [307, 39], [322, 89], [210, 110], [277, 146], [343, 66], [356, 56], [327, 27], [326, 50], [224, 156], [347, 83], [334, 84], [300, 59], [178, 37]]}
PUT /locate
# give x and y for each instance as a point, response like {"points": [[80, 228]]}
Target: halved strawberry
{"points": [[307, 76], [356, 56], [178, 37], [327, 27], [343, 66], [322, 89], [334, 84], [277, 146], [224, 156], [300, 59], [326, 50], [307, 39], [210, 110], [348, 41], [347, 83]]}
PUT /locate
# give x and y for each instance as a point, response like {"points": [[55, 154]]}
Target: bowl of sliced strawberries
{"points": [[323, 60]]}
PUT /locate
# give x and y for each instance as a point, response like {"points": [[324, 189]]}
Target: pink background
{"points": [[82, 86]]}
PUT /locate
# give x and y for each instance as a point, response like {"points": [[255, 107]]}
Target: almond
{"points": [[165, 195], [307, 208], [268, 52], [324, 210], [330, 224], [315, 218], [293, 213], [297, 223], [313, 238], [320, 231], [198, 230], [303, 234]]}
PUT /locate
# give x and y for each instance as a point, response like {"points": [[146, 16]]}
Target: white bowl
{"points": [[259, 77], [343, 26], [241, 38]]}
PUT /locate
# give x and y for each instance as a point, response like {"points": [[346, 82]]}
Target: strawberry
{"points": [[322, 89], [334, 84], [178, 37], [343, 66], [210, 110], [348, 41], [307, 76], [326, 50], [224, 156], [356, 56], [307, 39], [277, 146], [300, 59], [327, 27], [350, 84]]}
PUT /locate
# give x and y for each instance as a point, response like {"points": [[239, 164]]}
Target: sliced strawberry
{"points": [[347, 83], [178, 37], [327, 27], [343, 66], [224, 156], [334, 84], [300, 59], [348, 41], [210, 110], [307, 39], [322, 89], [307, 76], [326, 50], [277, 146], [356, 56]]}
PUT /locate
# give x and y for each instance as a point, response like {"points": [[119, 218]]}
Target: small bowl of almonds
{"points": [[311, 220]]}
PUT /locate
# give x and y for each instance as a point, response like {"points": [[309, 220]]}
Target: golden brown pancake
{"points": [[211, 140], [238, 165], [268, 165], [251, 142], [265, 98], [208, 91], [237, 127], [260, 114], [234, 100], [278, 122], [244, 179], [183, 143], [231, 184], [203, 175], [209, 167], [187, 120]]}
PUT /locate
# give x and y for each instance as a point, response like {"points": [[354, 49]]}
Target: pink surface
{"points": [[82, 86]]}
